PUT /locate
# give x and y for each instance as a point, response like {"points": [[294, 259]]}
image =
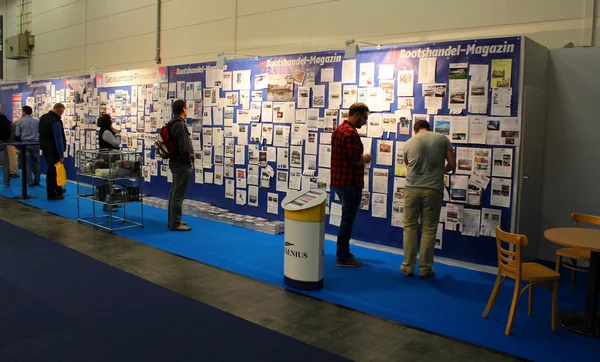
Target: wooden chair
{"points": [[576, 254], [510, 265]]}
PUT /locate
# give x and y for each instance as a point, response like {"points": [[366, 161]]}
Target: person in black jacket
{"points": [[4, 137], [53, 144], [181, 164]]}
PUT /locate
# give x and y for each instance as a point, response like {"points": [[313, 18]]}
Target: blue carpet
{"points": [[59, 305], [449, 304]]}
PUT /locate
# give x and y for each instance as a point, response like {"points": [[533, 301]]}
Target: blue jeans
{"points": [[351, 197], [4, 164], [33, 163]]}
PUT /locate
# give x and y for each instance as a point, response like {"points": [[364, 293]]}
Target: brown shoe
{"points": [[405, 272], [181, 227], [350, 262]]}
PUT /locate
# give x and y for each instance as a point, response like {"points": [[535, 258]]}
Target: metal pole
{"points": [[158, 13]]}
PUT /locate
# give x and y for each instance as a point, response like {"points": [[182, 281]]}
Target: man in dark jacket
{"points": [[181, 164], [4, 137], [53, 145]]}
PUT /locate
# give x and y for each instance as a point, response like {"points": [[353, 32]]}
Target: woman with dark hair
{"points": [[108, 139]]}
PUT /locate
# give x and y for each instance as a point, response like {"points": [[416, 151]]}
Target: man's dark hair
{"points": [[421, 124], [28, 111], [104, 121], [178, 107], [358, 108]]}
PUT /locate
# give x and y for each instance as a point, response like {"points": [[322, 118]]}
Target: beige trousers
{"points": [[426, 203], [13, 159]]}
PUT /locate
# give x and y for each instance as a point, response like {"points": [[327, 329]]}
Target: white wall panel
{"points": [[178, 13], [198, 39], [39, 7], [246, 7], [120, 26], [97, 9], [67, 60], [70, 37], [122, 32], [122, 51], [58, 18]]}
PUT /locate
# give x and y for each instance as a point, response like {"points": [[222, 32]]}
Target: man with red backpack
{"points": [[181, 162]]}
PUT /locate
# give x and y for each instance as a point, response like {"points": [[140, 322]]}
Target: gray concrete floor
{"points": [[349, 333]]}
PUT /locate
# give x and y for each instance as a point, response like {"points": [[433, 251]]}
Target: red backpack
{"points": [[165, 145]]}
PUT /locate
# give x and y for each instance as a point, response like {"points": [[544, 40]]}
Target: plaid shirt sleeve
{"points": [[354, 147]]}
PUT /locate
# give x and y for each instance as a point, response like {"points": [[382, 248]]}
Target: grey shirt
{"points": [[425, 159]]}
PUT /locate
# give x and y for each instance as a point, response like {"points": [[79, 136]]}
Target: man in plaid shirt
{"points": [[347, 176]]}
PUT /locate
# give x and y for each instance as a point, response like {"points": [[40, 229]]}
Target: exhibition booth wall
{"points": [[263, 126]]}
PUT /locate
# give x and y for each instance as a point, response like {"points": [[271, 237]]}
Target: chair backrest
{"points": [[510, 261], [588, 219]]}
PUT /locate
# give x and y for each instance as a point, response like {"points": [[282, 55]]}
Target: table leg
{"points": [[587, 322], [24, 195]]}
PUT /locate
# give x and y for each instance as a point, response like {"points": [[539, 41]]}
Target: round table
{"points": [[586, 322]]}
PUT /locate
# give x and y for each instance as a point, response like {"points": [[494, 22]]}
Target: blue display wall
{"points": [[406, 57]]}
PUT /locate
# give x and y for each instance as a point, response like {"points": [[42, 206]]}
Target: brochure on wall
{"points": [[295, 178], [198, 176], [501, 99], [503, 131], [464, 160], [458, 74], [335, 95], [459, 129], [318, 96], [439, 235], [427, 67], [390, 123], [272, 203], [327, 75], [478, 97], [471, 222], [404, 117], [501, 73], [282, 181], [350, 94], [503, 160], [386, 71], [365, 201], [380, 180], [282, 158], [482, 161], [335, 214], [490, 219], [253, 196], [479, 72], [379, 206], [454, 217], [325, 156], [253, 171], [349, 71], [385, 151], [375, 129], [479, 180], [442, 125], [400, 166], [241, 178], [406, 83], [477, 129], [474, 195], [501, 192], [323, 179], [367, 75], [397, 213], [229, 189], [459, 188]]}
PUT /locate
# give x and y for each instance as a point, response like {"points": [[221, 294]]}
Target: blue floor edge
{"points": [[531, 337]]}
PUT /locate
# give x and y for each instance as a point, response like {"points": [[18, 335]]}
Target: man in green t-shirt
{"points": [[425, 156]]}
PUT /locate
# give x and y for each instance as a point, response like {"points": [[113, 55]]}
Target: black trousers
{"points": [[52, 189]]}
